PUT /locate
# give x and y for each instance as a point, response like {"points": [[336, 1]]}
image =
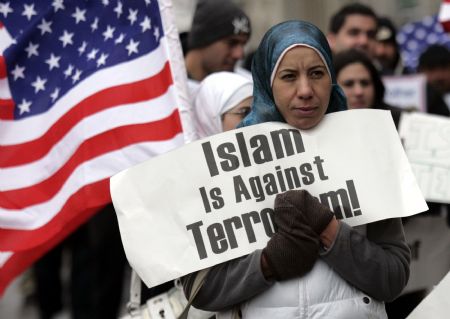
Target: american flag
{"points": [[415, 37], [444, 15], [86, 91]]}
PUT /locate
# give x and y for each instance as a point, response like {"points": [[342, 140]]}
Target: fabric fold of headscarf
{"points": [[275, 42]]}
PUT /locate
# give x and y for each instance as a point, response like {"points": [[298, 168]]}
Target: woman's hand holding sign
{"points": [[294, 248], [319, 217]]}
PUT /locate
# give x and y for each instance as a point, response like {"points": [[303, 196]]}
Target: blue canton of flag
{"points": [[76, 39], [415, 37]]}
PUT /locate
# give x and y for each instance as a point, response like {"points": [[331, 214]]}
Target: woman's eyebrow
{"points": [[317, 66]]}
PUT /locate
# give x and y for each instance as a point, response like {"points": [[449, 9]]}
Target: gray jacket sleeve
{"points": [[229, 283], [377, 263]]}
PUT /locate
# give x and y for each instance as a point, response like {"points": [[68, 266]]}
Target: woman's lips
{"points": [[304, 110]]}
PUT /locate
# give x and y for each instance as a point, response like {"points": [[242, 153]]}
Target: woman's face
{"points": [[358, 86], [302, 87], [231, 118]]}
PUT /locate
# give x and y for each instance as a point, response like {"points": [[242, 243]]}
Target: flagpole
{"points": [[178, 69]]}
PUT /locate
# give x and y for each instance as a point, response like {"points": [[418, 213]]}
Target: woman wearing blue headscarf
{"points": [[313, 266]]}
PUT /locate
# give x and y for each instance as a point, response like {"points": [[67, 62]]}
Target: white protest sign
{"points": [[406, 91], [426, 139], [212, 200], [437, 304], [428, 236]]}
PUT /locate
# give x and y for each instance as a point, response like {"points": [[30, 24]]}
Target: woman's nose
{"points": [[304, 89], [359, 89]]}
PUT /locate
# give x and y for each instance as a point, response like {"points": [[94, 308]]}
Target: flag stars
{"points": [[55, 94], [5, 9], [58, 5], [118, 9], [76, 76], [32, 49], [82, 48], [102, 59], [66, 38], [79, 15], [45, 27], [18, 72], [132, 16], [92, 54], [132, 47], [120, 38], [24, 106], [109, 33], [105, 2], [94, 25], [156, 33], [145, 24], [53, 61], [68, 71], [39, 84], [29, 11]]}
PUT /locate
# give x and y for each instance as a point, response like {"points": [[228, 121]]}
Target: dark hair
{"points": [[344, 58], [338, 19], [435, 56]]}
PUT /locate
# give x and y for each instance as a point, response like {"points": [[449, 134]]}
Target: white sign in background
{"points": [[437, 304], [406, 91], [426, 139], [429, 239], [211, 201]]}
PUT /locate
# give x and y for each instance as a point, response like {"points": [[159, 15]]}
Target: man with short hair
{"points": [[217, 38], [354, 26]]}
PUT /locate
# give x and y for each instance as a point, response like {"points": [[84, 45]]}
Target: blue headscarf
{"points": [[266, 58]]}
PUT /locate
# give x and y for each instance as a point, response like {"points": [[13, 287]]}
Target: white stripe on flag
{"points": [[89, 172], [4, 256], [5, 39], [444, 12], [29, 174]]}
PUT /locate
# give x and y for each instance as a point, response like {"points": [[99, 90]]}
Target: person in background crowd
{"points": [[222, 101], [354, 26], [97, 266], [434, 62], [219, 32], [361, 82], [313, 264], [386, 51]]}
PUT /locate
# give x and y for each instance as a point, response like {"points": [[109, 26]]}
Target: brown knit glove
{"points": [[317, 215], [293, 249]]}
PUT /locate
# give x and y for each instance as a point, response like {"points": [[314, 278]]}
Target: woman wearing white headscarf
{"points": [[222, 101]]}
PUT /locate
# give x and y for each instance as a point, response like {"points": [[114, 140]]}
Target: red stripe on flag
{"points": [[3, 71], [446, 26], [124, 94], [6, 110], [20, 261], [164, 129], [90, 196]]}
